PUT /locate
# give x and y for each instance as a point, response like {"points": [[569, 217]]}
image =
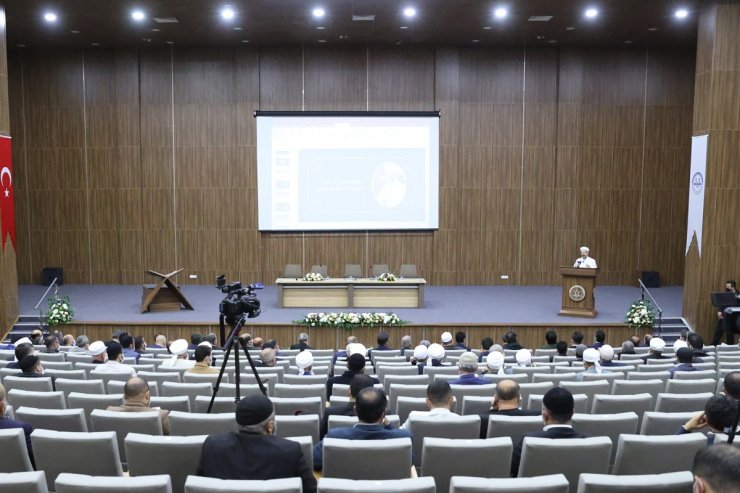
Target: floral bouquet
{"points": [[349, 320], [640, 315], [313, 276], [386, 277], [60, 311]]}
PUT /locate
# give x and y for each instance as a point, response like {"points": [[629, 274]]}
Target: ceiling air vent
{"points": [[363, 18], [165, 20], [539, 18]]}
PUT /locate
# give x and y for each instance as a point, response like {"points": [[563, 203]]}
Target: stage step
{"points": [[23, 327], [671, 327]]}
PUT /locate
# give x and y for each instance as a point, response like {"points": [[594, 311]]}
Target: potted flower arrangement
{"points": [[640, 315], [313, 276], [386, 277], [350, 320], [60, 311]]}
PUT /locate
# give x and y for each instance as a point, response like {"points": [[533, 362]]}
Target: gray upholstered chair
{"points": [[178, 455], [553, 483], [656, 454], [187, 424], [23, 482], [411, 485], [655, 423], [54, 419], [122, 423], [82, 483], [459, 427], [198, 484], [348, 459], [15, 452], [672, 482]]}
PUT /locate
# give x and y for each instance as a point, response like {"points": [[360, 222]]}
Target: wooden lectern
{"points": [[578, 292], [164, 295]]}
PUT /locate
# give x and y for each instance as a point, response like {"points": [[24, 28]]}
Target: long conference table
{"points": [[350, 293]]}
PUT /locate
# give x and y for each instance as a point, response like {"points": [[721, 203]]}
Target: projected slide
{"points": [[347, 172]]}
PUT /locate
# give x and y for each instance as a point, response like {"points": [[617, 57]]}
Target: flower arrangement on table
{"points": [[313, 276], [640, 315], [386, 277], [349, 320], [60, 311]]}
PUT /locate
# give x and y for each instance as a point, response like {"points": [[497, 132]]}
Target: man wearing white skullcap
{"points": [[97, 351], [495, 363], [584, 261], [179, 351], [607, 356], [304, 362], [591, 358], [446, 338], [524, 357], [419, 359], [657, 345]]}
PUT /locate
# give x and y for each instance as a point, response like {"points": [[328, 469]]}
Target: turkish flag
{"points": [[7, 209]]}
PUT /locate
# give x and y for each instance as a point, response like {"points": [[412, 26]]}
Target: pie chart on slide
{"points": [[389, 184]]}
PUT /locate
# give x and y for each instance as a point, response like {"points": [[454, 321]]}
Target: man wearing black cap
{"points": [[557, 412], [253, 452], [355, 365]]}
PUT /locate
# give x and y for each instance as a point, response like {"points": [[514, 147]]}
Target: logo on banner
{"points": [[7, 208], [697, 183]]}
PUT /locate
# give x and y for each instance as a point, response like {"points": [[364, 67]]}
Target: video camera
{"points": [[239, 301]]}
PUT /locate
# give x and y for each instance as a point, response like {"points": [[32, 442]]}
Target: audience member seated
{"points": [[195, 339], [345, 353], [436, 354], [257, 342], [628, 347], [382, 339], [21, 351], [716, 469], [68, 341], [302, 343], [551, 338], [203, 361], [446, 339], [731, 385], [636, 340], [406, 344], [419, 358], [485, 348], [160, 341], [657, 345], [606, 353], [211, 339], [37, 337], [599, 337], [719, 416], [98, 353], [562, 348], [557, 412], [579, 351], [439, 402], [254, 452], [6, 424], [370, 405], [506, 402], [358, 382], [82, 344], [591, 362], [460, 341], [268, 358], [468, 367], [355, 366], [685, 357], [696, 343], [510, 342], [127, 342], [523, 357], [114, 363], [576, 339], [304, 362], [179, 351], [52, 344], [272, 343], [495, 364], [136, 399]]}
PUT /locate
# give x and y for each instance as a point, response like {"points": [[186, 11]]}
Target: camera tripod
{"points": [[234, 341]]}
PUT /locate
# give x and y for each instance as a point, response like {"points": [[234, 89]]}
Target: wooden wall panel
{"points": [[335, 78]]}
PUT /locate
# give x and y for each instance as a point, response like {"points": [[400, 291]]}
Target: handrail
{"points": [[643, 291], [43, 296]]}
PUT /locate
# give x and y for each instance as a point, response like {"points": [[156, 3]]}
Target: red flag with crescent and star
{"points": [[7, 209]]}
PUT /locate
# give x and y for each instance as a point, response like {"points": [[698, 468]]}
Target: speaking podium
{"points": [[578, 292]]}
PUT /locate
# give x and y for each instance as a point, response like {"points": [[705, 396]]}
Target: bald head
{"points": [[135, 388], [267, 355], [507, 390]]}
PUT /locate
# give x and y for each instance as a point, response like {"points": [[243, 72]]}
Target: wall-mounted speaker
{"points": [[651, 279], [49, 273]]}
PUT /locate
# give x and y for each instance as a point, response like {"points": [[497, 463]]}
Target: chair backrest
{"points": [[655, 454], [607, 425], [320, 269], [15, 452], [353, 270], [443, 458], [181, 403], [300, 391], [474, 404], [534, 388], [649, 375], [691, 386], [590, 388], [403, 390], [81, 483], [553, 483], [461, 391], [677, 403], [199, 484], [306, 443], [655, 423], [378, 269], [58, 357], [633, 387], [305, 379], [348, 459], [409, 485], [298, 426], [148, 422], [220, 404], [460, 427], [187, 424], [209, 378], [81, 386], [611, 404], [513, 426], [671, 482], [404, 406], [408, 270], [293, 270], [41, 384], [57, 365], [157, 377], [88, 402], [170, 389], [23, 482], [410, 378], [68, 374], [40, 400], [571, 457], [177, 455], [297, 405], [57, 452], [580, 402], [555, 378], [339, 421], [54, 419], [695, 375]]}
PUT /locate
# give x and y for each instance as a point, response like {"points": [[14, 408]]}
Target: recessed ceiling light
{"points": [[50, 17], [476, 41], [155, 30], [322, 41], [137, 15], [75, 32], [320, 28], [592, 13], [343, 36], [170, 42], [682, 13], [552, 41], [409, 12], [245, 41], [404, 27], [570, 28], [227, 13], [652, 28], [486, 28], [628, 42], [95, 44], [237, 29], [540, 37], [318, 12], [21, 46], [500, 13]]}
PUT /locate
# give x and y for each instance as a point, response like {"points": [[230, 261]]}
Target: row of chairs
{"points": [[350, 270]]}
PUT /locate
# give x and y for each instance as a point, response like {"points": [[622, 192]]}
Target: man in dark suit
{"points": [[355, 365], [506, 402], [21, 351], [358, 382], [696, 343], [382, 339], [370, 406], [6, 424], [302, 344], [557, 412], [510, 342], [685, 357], [253, 452], [468, 366]]}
